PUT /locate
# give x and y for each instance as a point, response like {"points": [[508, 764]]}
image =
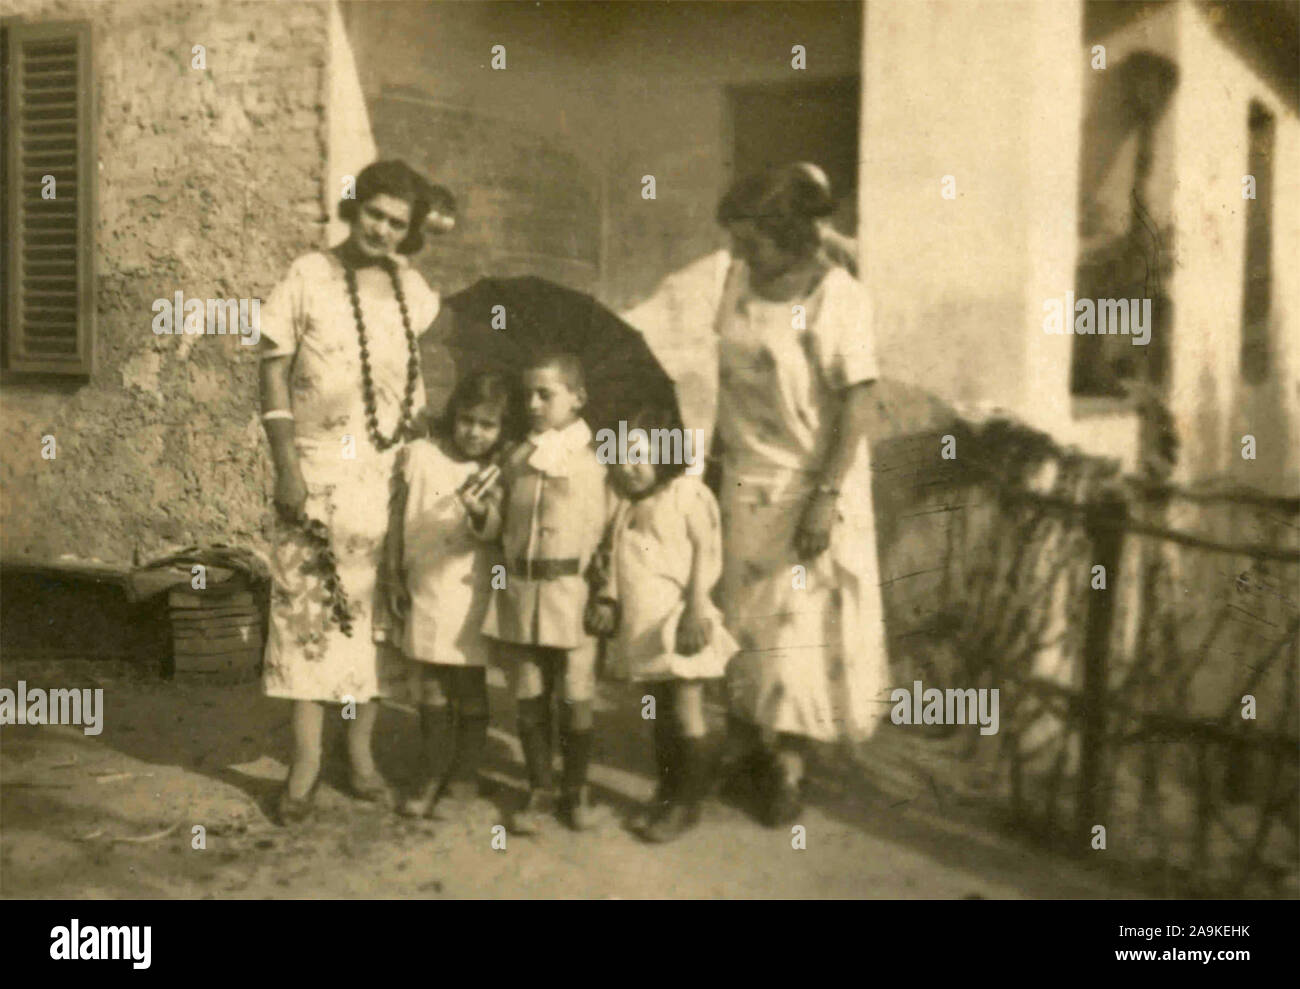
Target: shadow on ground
{"points": [[115, 816]]}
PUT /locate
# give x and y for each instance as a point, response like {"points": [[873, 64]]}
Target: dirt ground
{"points": [[112, 816]]}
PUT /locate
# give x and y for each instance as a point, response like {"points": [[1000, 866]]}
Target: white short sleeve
{"points": [[284, 314], [704, 523], [844, 331], [422, 301]]}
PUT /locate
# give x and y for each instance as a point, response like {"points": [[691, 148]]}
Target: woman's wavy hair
{"points": [[432, 206], [479, 388], [784, 202]]}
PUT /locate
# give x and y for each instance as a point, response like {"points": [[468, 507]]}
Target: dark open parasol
{"points": [[542, 317]]}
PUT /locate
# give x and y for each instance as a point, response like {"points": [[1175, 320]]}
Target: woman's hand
{"points": [[290, 493], [693, 631], [814, 533]]}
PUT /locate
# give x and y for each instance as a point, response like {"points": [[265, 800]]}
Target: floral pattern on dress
{"points": [[309, 316], [813, 656]]}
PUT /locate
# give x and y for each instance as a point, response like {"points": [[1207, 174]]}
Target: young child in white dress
{"points": [[440, 577], [665, 556]]}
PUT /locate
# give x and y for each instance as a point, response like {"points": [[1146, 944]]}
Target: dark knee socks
{"points": [[692, 774], [435, 743], [471, 740], [666, 741], [471, 724], [575, 744], [744, 739], [535, 737]]}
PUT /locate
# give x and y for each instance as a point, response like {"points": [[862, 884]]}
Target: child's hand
{"points": [[479, 493], [476, 505], [600, 617], [694, 631]]}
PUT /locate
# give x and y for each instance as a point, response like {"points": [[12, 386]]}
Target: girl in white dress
{"points": [[665, 556], [440, 583]]}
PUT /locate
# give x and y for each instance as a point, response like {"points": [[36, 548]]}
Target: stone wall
{"points": [[210, 182], [600, 94]]}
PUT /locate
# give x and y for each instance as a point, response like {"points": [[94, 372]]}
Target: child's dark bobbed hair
{"points": [[484, 388], [432, 206], [661, 415]]}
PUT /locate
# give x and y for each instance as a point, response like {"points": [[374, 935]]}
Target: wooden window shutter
{"points": [[49, 254]]}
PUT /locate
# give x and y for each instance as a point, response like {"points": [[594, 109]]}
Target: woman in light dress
{"points": [[800, 586], [341, 386]]}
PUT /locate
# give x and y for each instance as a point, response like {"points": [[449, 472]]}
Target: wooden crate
{"points": [[216, 633]]}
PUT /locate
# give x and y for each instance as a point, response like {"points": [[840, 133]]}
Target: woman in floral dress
{"points": [[341, 386]]}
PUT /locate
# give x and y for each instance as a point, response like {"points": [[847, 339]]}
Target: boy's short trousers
{"points": [[532, 669]]}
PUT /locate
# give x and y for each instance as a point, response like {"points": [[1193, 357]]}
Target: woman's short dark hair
{"points": [[479, 388], [428, 202], [783, 202]]}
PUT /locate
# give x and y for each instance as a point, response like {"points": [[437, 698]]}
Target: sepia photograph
{"points": [[689, 450]]}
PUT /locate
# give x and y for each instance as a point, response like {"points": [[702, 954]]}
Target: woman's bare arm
{"points": [[850, 428], [274, 374], [290, 489], [814, 533]]}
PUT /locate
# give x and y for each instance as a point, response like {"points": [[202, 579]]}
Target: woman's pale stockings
{"points": [[308, 724]]}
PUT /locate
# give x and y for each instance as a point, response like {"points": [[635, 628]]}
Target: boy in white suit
{"points": [[550, 521]]}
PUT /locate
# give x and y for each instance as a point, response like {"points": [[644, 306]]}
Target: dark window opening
{"points": [[1126, 249]]}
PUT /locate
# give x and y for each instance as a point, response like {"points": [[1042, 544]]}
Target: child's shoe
{"points": [[576, 809], [691, 783], [536, 812], [783, 805], [675, 822], [462, 803], [650, 812], [420, 803], [659, 804], [575, 805], [665, 759]]}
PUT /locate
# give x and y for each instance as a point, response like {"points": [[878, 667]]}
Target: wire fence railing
{"points": [[1144, 639]]}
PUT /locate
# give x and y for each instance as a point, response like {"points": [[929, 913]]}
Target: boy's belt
{"points": [[543, 569]]}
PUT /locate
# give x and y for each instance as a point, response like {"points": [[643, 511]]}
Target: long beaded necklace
{"points": [[323, 562], [404, 419]]}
